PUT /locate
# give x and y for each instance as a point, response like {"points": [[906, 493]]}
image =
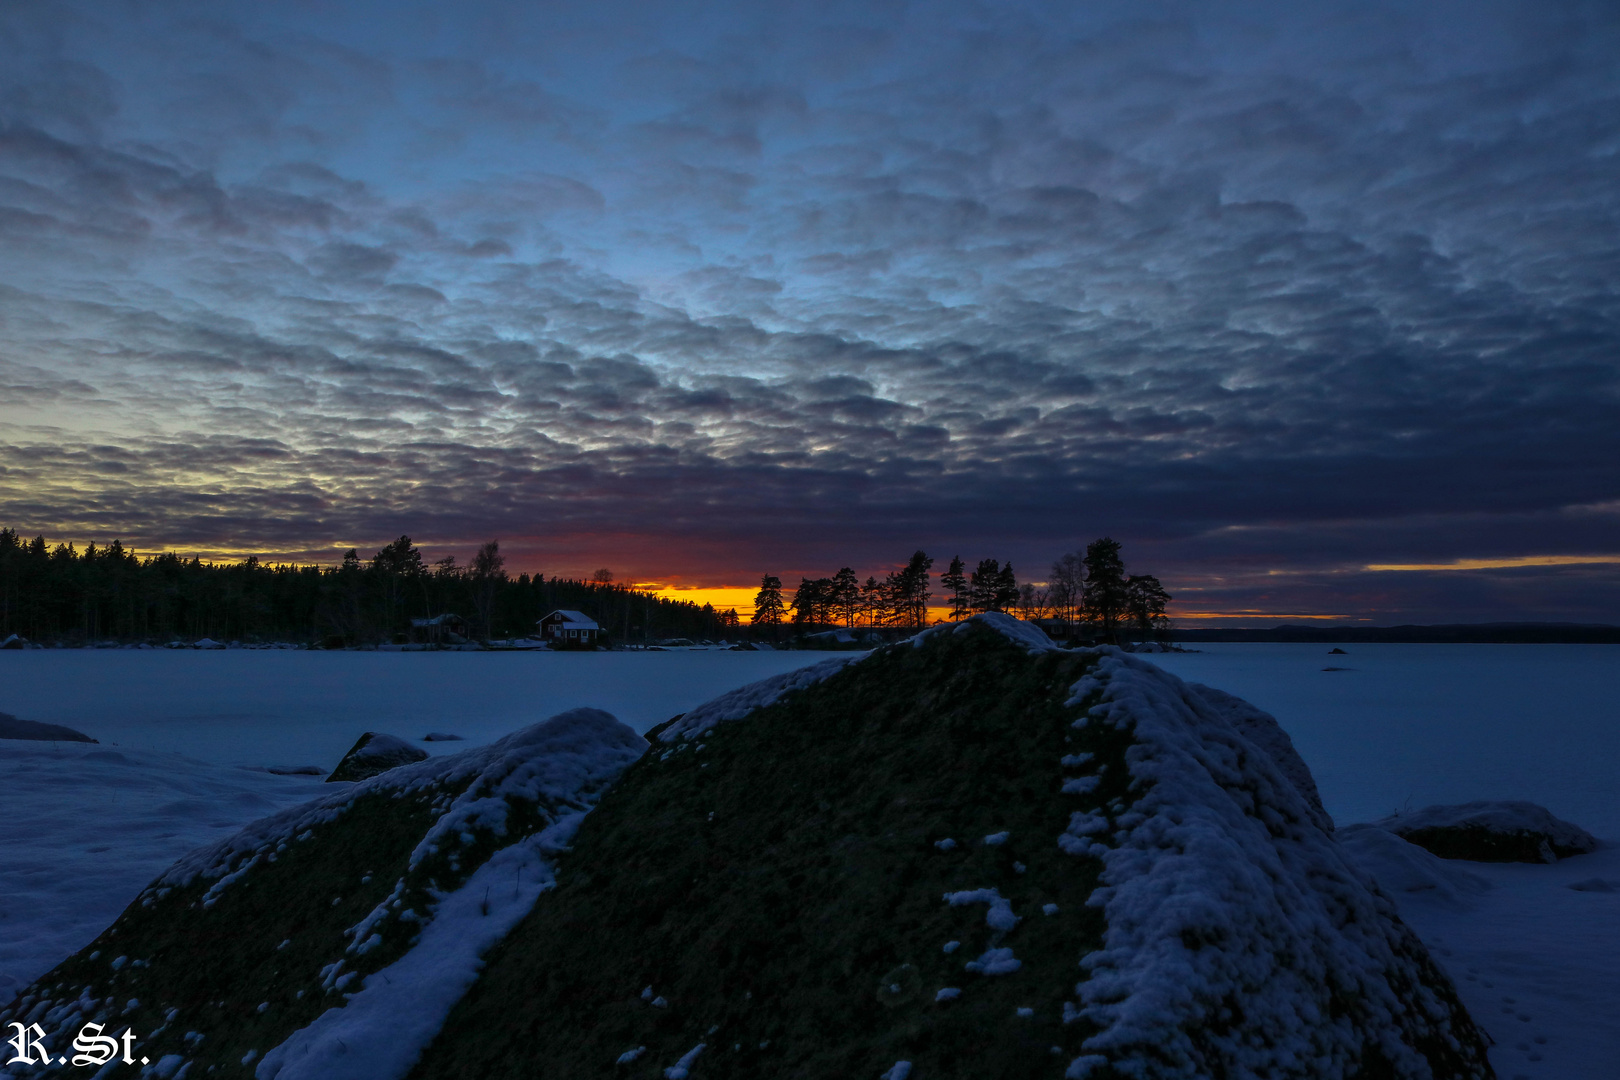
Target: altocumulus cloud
{"points": [[1273, 295]]}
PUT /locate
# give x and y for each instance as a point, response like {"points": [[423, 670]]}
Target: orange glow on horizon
{"points": [[1508, 563]]}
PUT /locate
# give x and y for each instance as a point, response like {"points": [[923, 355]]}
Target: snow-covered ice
{"points": [[88, 826], [1409, 726], [255, 707]]}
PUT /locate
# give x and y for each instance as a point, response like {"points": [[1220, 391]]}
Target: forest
{"points": [[63, 594]]}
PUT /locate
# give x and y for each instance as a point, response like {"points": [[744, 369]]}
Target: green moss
{"points": [[782, 890]]}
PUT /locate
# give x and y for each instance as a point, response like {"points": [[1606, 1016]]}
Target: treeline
{"points": [[60, 593], [1087, 595]]}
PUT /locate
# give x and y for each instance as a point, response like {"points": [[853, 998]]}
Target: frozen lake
{"points": [[186, 736], [1411, 725], [251, 707]]}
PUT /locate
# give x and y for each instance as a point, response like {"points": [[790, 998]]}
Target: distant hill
{"points": [[1505, 633], [969, 855]]}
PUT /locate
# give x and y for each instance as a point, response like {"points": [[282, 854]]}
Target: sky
{"points": [[1311, 306]]}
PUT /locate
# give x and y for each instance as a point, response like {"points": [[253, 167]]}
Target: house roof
{"points": [[576, 619]]}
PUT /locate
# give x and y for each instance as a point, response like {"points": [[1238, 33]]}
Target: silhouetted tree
{"points": [[844, 596], [1105, 595], [768, 609], [810, 602], [1066, 586], [486, 574], [983, 585], [875, 604], [955, 583], [911, 590], [1145, 600]]}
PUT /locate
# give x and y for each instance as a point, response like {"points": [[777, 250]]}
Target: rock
{"points": [[15, 641], [1229, 916], [375, 753], [440, 736], [13, 728], [1337, 652], [208, 643], [1492, 832], [295, 770]]}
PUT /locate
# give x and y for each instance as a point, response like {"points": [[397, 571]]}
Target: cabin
{"points": [[440, 630], [569, 628]]}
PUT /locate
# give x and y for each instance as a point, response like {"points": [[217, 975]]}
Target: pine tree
{"points": [[956, 582], [844, 596], [1145, 599], [1105, 590], [768, 609], [875, 602], [810, 602], [1006, 588], [982, 585], [912, 589]]}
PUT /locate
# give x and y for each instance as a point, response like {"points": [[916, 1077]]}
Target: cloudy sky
{"points": [[1312, 305]]}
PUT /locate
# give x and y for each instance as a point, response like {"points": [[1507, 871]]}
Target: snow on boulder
{"points": [[13, 728], [373, 753], [207, 643], [1492, 832], [1404, 869], [1242, 939], [329, 940], [1262, 729], [14, 641]]}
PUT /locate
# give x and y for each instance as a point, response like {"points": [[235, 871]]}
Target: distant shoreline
{"points": [[1444, 634]]}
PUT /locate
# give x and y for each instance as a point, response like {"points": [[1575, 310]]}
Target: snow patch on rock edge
{"points": [[1223, 888]]}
